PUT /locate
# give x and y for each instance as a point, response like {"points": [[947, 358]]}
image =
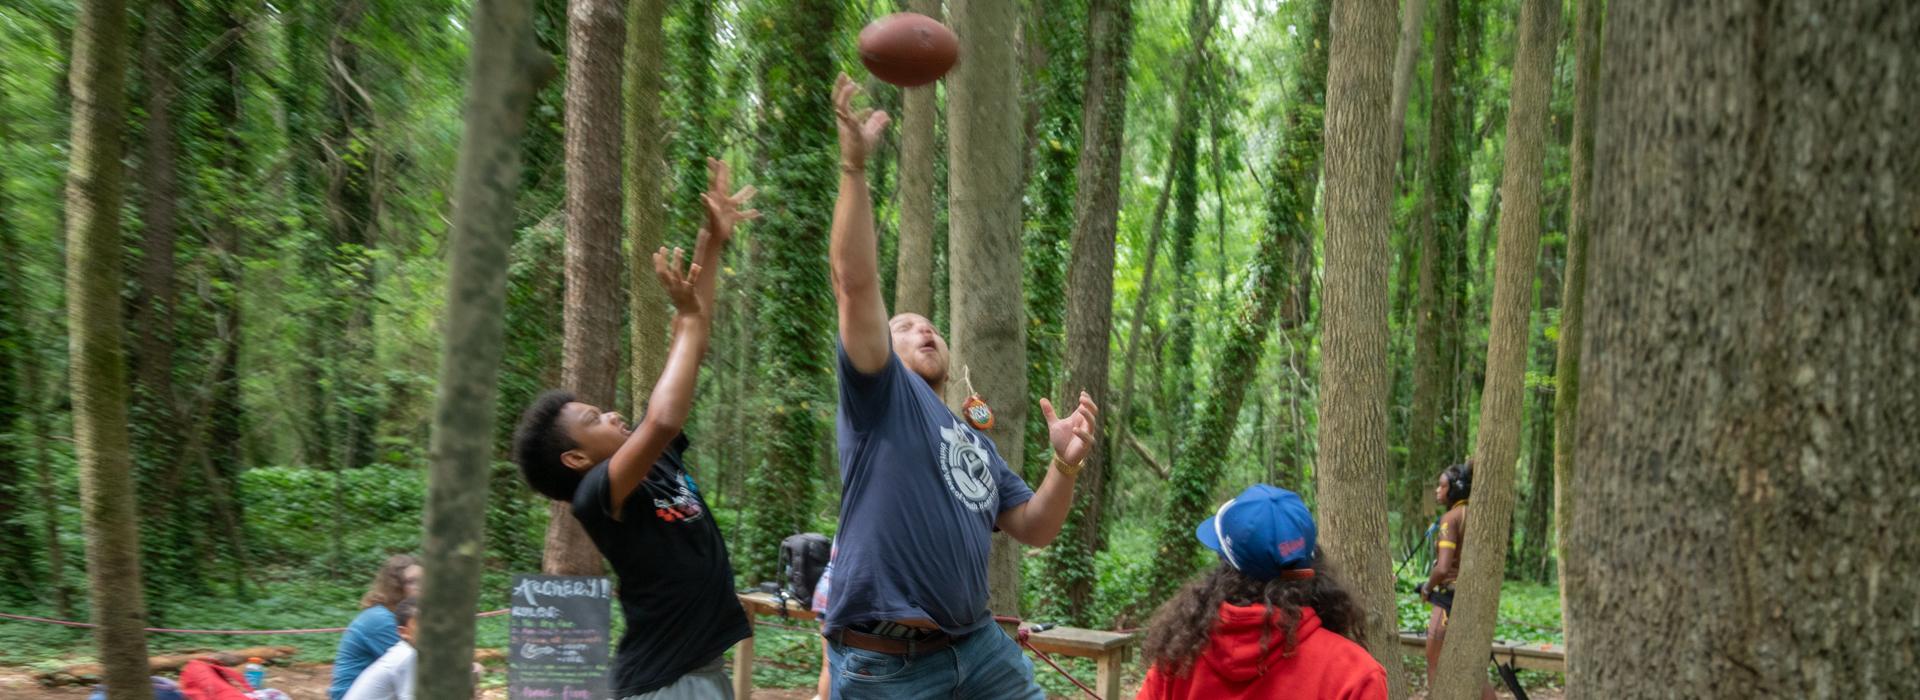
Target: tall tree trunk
{"points": [[590, 361], [503, 74], [913, 282], [789, 250], [1352, 466], [352, 200], [646, 186], [1178, 360], [153, 306], [1412, 25], [1089, 320], [1429, 426], [15, 397], [1294, 180], [97, 369], [1580, 218], [989, 324], [1747, 396], [1057, 67], [1463, 662]]}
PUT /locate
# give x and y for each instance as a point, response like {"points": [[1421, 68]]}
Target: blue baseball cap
{"points": [[1262, 532]]}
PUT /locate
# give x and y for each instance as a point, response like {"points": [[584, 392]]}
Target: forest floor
{"points": [[309, 682]]}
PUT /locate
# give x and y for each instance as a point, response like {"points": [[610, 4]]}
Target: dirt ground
{"points": [[309, 682]]}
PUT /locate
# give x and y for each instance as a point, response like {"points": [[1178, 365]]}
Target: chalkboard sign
{"points": [[557, 640]]}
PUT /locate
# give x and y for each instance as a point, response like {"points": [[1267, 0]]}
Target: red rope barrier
{"points": [[167, 630]]}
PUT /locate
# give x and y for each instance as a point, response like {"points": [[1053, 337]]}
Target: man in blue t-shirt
{"points": [[922, 490]]}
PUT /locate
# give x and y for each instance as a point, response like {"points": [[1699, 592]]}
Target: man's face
{"points": [[597, 433], [1440, 491], [920, 347]]}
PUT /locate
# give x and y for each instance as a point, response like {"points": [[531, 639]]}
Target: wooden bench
{"points": [[1538, 657], [1109, 650]]}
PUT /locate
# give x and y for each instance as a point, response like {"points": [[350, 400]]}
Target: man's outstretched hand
{"points": [[859, 129], [725, 210], [1072, 436]]}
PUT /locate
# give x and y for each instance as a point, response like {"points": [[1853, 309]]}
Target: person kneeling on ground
{"points": [[1272, 621], [632, 493]]}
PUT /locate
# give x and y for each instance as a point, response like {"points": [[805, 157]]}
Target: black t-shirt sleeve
{"points": [[863, 396], [593, 498]]}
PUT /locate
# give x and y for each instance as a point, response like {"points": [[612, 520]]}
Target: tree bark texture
{"points": [[1747, 405], [590, 360], [646, 204], [913, 280], [97, 369], [1463, 662], [989, 324], [1586, 86], [1293, 180], [504, 72], [159, 183], [1405, 58], [1089, 319], [1352, 467]]}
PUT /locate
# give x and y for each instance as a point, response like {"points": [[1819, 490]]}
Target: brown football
{"points": [[908, 49]]}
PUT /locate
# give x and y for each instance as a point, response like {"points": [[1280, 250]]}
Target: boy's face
{"points": [[1440, 491], [409, 630], [598, 433]]}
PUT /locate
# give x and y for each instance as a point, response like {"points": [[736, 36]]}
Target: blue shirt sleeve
{"points": [[864, 397], [1013, 490], [367, 638]]}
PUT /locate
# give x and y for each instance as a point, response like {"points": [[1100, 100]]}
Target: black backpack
{"points": [[803, 558]]}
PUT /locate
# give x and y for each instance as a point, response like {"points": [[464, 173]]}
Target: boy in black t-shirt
{"points": [[630, 489]]}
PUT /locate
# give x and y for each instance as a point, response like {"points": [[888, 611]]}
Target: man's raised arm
{"points": [[856, 260]]}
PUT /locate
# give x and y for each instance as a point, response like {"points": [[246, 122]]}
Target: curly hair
{"points": [[1183, 626], [1459, 482], [390, 585], [538, 443]]}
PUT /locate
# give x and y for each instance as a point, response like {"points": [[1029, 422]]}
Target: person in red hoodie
{"points": [[1271, 622]]}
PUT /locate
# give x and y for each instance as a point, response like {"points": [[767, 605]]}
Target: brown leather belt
{"points": [[892, 645]]}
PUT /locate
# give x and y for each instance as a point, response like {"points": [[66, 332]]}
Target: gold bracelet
{"points": [[1068, 469]]}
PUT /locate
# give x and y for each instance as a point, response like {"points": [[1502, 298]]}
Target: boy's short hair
{"points": [[404, 611], [538, 443]]}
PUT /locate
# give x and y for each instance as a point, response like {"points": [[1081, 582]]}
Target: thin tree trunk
{"points": [[504, 73], [989, 323], [49, 517], [1428, 427], [1352, 463], [1289, 211], [97, 369], [15, 396], [913, 280], [1747, 402], [1054, 65], [1412, 19], [153, 306], [1178, 360], [646, 187], [1463, 662], [1089, 321], [1586, 84], [590, 360]]}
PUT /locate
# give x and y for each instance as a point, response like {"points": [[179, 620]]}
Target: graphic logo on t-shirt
{"points": [[675, 501], [964, 463]]}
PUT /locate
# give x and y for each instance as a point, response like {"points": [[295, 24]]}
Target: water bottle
{"points": [[256, 673]]}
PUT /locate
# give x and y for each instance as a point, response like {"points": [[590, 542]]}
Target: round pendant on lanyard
{"points": [[977, 413]]}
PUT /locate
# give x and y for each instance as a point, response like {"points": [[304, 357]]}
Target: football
{"points": [[908, 49]]}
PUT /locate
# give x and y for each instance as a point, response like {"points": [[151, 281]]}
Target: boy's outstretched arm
{"points": [[693, 294], [856, 261], [672, 397]]}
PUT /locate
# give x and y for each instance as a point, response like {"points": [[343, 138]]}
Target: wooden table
{"points": [[1539, 657]]}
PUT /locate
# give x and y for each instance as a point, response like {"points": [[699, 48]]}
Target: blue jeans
{"points": [[984, 664]]}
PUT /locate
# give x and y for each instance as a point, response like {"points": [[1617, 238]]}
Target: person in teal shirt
{"points": [[375, 629]]}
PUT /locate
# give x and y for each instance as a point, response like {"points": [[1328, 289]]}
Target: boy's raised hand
{"points": [[678, 285], [724, 210]]}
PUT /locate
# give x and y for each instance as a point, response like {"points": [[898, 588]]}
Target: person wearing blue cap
{"points": [[1271, 621]]}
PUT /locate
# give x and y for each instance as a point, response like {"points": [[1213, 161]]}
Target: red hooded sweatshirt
{"points": [[1323, 665]]}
